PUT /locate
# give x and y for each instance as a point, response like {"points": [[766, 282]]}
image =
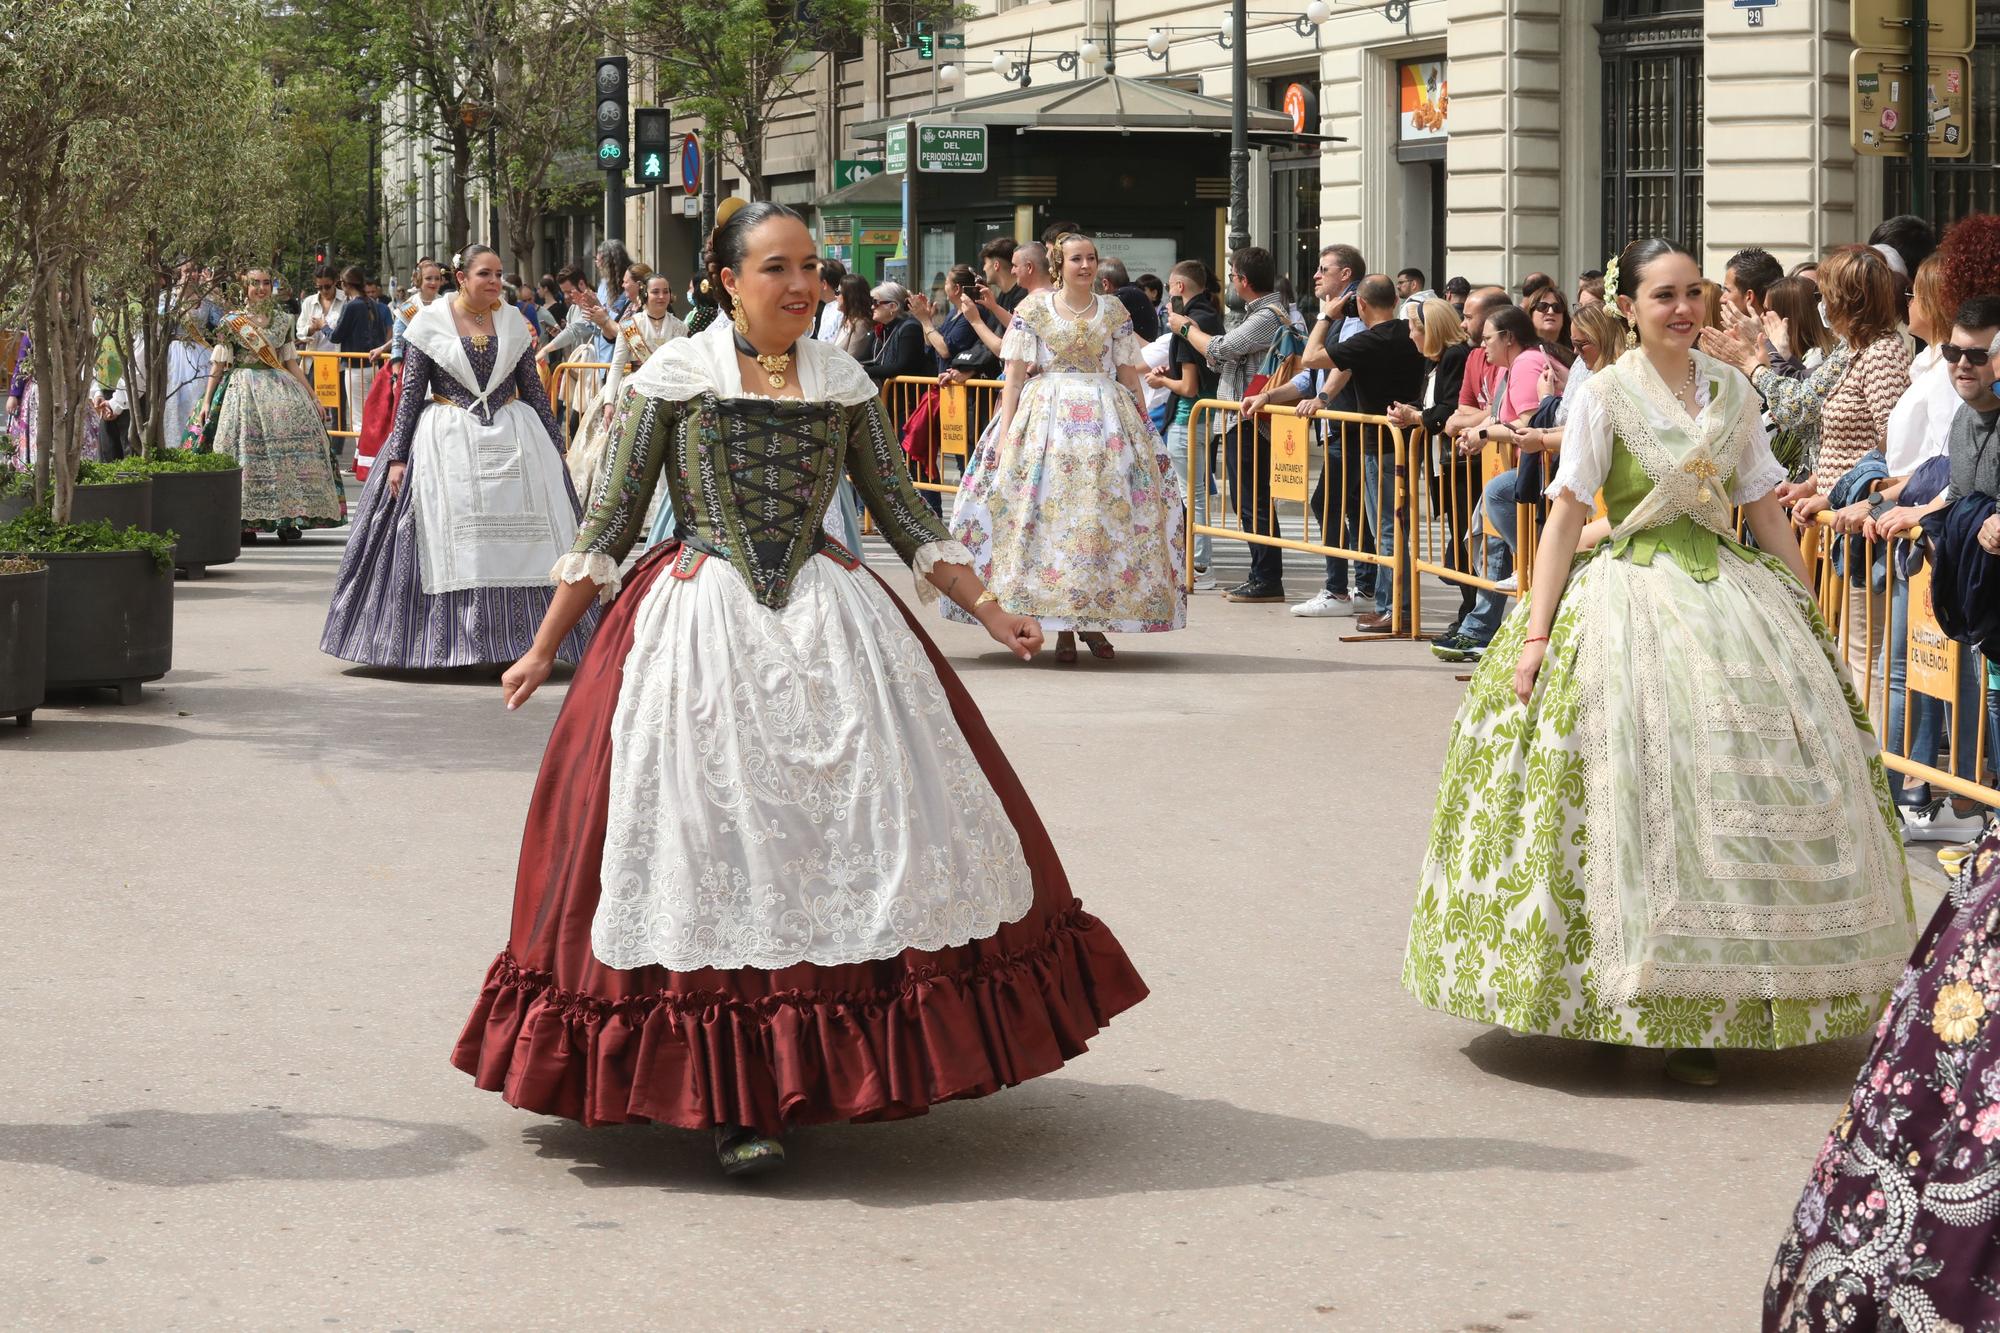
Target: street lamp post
{"points": [[1239, 128]]}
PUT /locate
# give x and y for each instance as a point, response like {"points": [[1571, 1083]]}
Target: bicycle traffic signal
{"points": [[613, 99]]}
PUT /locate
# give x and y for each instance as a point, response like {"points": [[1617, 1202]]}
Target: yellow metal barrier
{"points": [[340, 381], [1451, 530], [1350, 475], [957, 417], [571, 386], [1940, 676]]}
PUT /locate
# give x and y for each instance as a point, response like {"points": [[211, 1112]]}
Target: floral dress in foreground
{"points": [[1685, 839], [1899, 1226], [1076, 515]]}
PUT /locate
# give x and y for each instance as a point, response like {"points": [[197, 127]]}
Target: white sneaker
{"points": [[1203, 583], [1938, 822], [1324, 603], [1512, 583]]}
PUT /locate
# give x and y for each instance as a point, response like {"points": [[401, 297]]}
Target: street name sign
{"points": [[958, 149]]}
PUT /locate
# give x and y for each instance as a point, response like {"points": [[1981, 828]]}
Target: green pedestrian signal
{"points": [[652, 144]]}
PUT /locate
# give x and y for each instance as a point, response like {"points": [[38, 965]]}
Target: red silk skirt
{"points": [[557, 1032]]}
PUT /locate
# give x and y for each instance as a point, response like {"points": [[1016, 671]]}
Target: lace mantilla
{"points": [[1642, 409]]}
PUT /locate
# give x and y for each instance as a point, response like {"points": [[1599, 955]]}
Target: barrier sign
{"points": [[954, 428], [1291, 447], [326, 380], [1933, 658]]}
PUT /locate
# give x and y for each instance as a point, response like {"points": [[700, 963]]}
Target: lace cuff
{"points": [[598, 568], [928, 557]]}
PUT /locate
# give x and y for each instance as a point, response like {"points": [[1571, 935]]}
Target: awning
{"points": [[1108, 103]]}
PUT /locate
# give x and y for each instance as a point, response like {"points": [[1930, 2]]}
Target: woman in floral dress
{"points": [[1897, 1225], [1663, 819], [264, 414], [1070, 506]]}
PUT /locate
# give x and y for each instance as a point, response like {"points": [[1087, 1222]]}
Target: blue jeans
{"points": [[1177, 450], [1490, 608], [1337, 502], [1378, 495]]}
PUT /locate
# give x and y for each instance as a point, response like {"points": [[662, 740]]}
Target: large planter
{"points": [[111, 620], [204, 511], [124, 504], [13, 506], [24, 609]]}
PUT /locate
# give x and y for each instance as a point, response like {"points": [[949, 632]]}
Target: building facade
{"points": [[1482, 138]]}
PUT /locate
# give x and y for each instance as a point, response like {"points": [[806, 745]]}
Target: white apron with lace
{"points": [[789, 785], [1736, 841], [491, 503]]}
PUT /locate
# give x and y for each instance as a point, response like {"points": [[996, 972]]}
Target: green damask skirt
{"points": [[1685, 839]]}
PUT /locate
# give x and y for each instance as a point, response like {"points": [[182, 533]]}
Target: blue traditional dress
{"points": [[453, 570], [1685, 838]]}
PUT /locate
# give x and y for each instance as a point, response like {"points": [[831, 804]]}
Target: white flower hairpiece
{"points": [[1611, 291]]}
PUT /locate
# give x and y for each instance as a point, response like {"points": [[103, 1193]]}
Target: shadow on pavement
{"points": [[54, 733], [178, 1148], [1142, 662], [1054, 1139], [1798, 1076]]}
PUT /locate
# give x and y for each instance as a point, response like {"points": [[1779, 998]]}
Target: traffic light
{"points": [[926, 42], [652, 144], [613, 97]]}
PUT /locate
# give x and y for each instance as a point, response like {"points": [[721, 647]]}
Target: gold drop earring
{"points": [[737, 318]]}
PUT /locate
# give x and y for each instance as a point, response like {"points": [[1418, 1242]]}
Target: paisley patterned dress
{"points": [[270, 422], [1899, 1225], [1076, 516], [1685, 838]]}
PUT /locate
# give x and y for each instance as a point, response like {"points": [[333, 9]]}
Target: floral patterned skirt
{"points": [[1684, 840], [1899, 1225], [1076, 517], [270, 423]]}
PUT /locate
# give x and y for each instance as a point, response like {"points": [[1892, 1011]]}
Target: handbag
{"points": [[1528, 474]]}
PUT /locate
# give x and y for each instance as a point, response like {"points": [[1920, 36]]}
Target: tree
{"points": [[735, 62], [541, 107], [78, 148]]}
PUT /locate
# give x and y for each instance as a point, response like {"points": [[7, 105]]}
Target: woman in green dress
{"points": [[265, 415], [1663, 819]]}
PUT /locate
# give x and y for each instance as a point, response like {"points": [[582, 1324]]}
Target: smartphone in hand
{"points": [[1178, 305]]}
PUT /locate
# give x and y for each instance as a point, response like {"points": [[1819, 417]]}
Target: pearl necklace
{"points": [[1074, 314]]}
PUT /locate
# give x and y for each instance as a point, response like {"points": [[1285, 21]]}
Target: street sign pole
{"points": [[1920, 136], [910, 199]]}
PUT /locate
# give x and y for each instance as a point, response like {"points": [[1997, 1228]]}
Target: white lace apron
{"points": [[491, 505]]}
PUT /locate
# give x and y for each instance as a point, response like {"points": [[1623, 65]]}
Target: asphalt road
{"points": [[247, 917]]}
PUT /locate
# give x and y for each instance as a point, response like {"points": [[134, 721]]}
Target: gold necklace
{"points": [[774, 367], [479, 341]]}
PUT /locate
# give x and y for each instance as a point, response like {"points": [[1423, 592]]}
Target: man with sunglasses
{"points": [[1974, 443]]}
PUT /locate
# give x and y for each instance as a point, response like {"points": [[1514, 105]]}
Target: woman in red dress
{"points": [[776, 871]]}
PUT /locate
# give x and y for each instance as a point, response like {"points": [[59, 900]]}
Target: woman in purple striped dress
{"points": [[469, 505]]}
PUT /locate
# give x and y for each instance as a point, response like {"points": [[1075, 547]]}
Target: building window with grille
{"points": [[1651, 52], [1969, 184]]}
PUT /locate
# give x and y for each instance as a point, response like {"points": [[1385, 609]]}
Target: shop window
{"points": [[1652, 59], [1967, 184]]}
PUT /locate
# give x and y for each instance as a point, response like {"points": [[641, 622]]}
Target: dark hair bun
{"points": [[1634, 258]]}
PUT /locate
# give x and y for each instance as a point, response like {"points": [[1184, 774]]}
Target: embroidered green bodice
{"points": [[1693, 545], [750, 480]]}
